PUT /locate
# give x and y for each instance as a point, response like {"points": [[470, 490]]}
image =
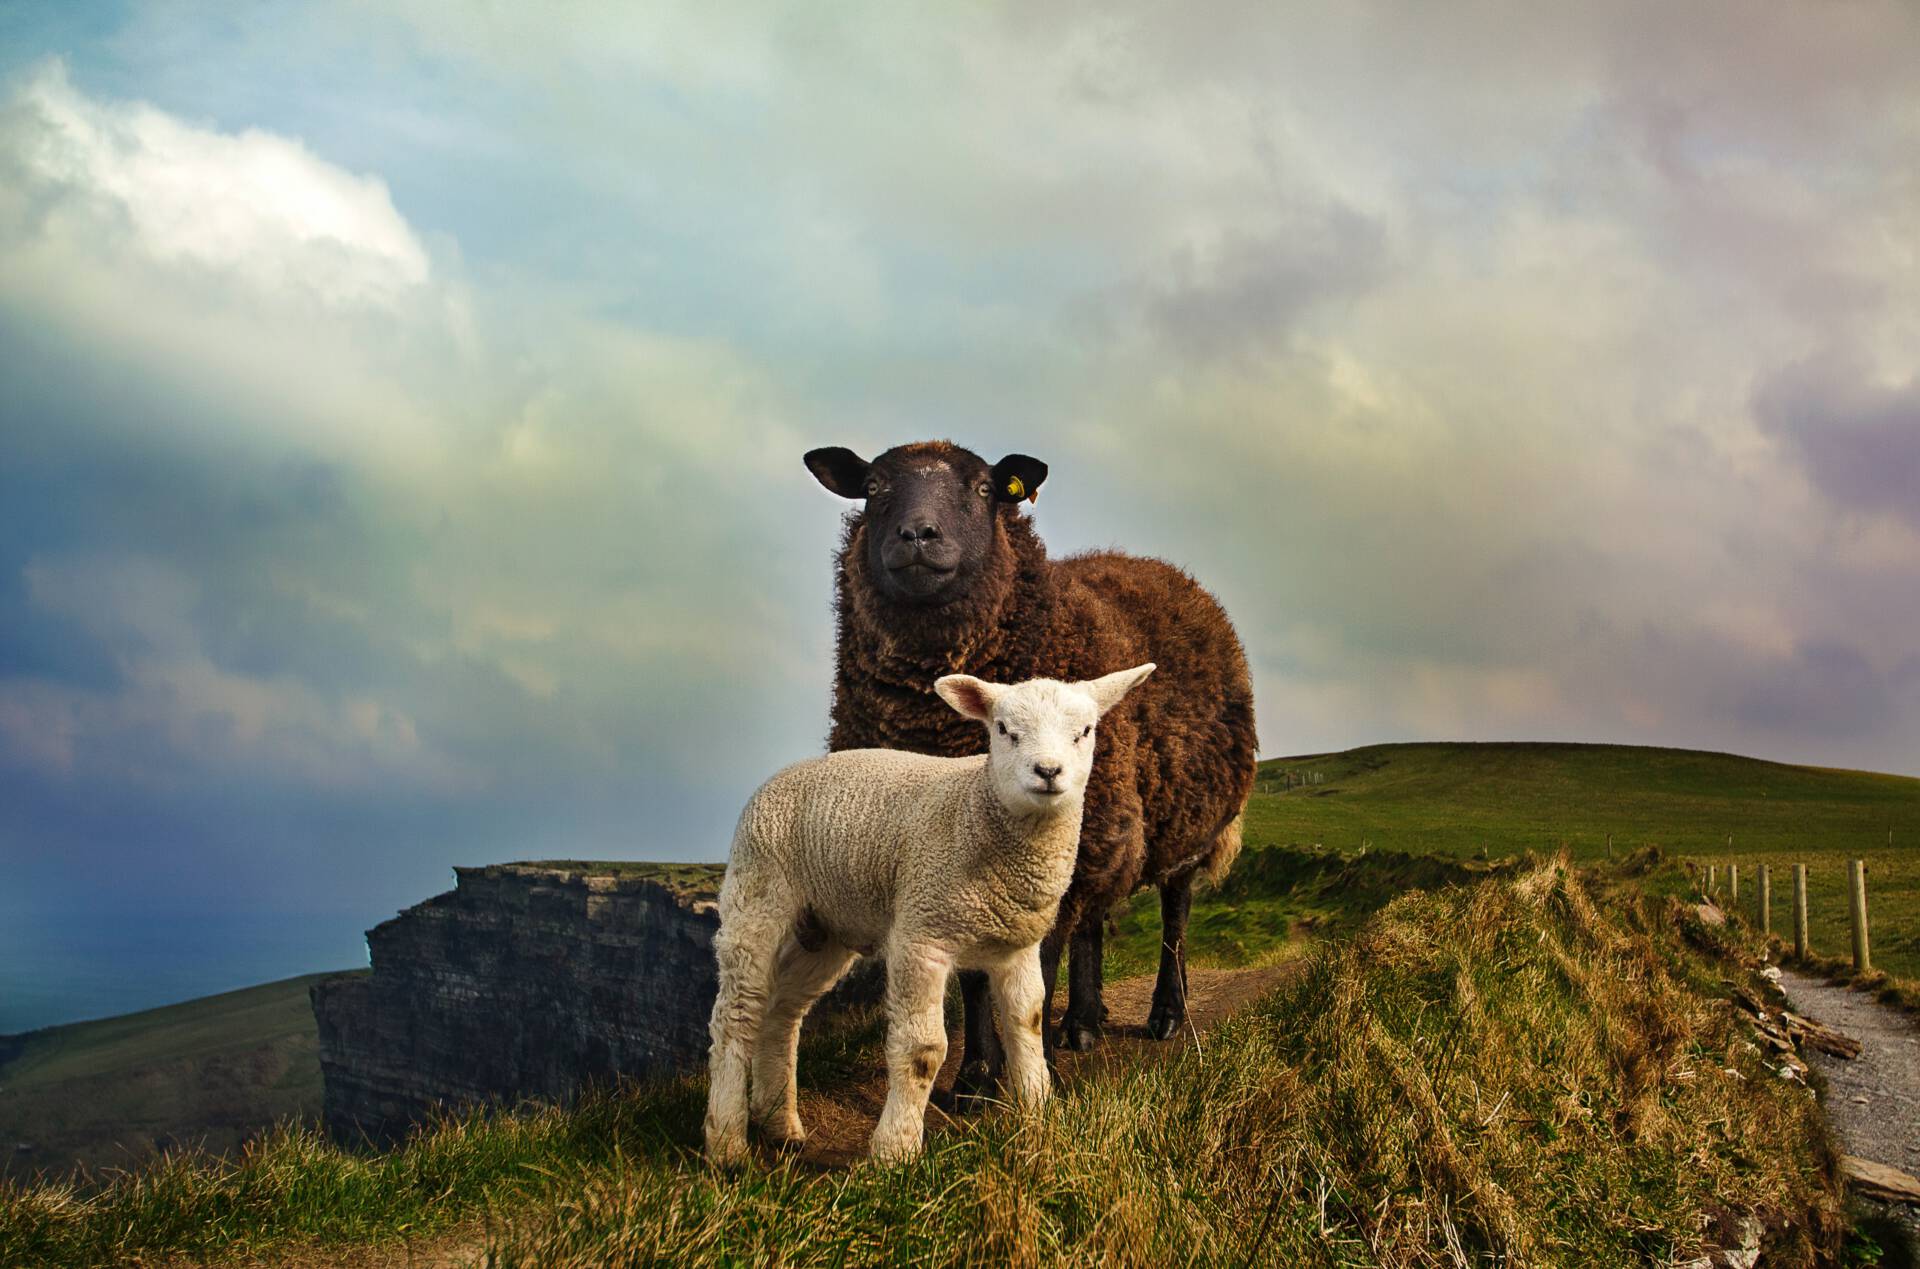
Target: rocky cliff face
{"points": [[524, 981]]}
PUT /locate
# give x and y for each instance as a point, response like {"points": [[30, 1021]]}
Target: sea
{"points": [[73, 967]]}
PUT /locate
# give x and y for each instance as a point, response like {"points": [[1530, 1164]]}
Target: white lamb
{"points": [[938, 863]]}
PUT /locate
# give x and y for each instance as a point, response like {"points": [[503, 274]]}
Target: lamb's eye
{"points": [[1087, 731], [1002, 727], [873, 488], [985, 490]]}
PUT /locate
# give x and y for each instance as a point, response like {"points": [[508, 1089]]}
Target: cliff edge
{"points": [[528, 980]]}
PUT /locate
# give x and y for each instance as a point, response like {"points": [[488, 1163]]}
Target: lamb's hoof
{"points": [[1079, 1037], [1165, 1022], [975, 1088], [787, 1136]]}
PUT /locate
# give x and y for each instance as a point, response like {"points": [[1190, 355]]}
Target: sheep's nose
{"points": [[1046, 771], [919, 531]]}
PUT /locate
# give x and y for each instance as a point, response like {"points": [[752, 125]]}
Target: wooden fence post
{"points": [[1857, 889], [1713, 878], [1733, 882], [1766, 900], [1800, 911]]}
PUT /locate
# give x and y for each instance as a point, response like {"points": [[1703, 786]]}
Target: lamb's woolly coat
{"points": [[869, 840], [1175, 761]]}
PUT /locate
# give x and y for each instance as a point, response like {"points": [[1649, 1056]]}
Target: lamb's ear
{"points": [[1017, 476], [1109, 688], [841, 470], [972, 697]]}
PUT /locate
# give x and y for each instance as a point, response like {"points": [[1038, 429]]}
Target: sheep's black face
{"points": [[930, 512]]}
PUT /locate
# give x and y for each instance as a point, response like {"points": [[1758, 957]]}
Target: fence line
{"points": [[1763, 904]]}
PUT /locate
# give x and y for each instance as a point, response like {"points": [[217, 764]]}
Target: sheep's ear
{"points": [[1109, 688], [972, 697], [1017, 476], [841, 470]]}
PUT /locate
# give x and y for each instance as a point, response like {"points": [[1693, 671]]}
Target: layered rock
{"points": [[525, 981]]}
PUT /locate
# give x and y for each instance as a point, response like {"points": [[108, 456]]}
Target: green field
{"points": [[212, 1072], [1505, 799], [1459, 799]]}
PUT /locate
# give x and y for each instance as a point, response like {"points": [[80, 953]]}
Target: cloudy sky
{"points": [[401, 405]]}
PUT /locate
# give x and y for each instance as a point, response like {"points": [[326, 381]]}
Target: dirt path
{"points": [[839, 1122], [1873, 1101]]}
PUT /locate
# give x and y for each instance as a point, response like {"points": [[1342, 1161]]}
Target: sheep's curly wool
{"points": [[1175, 760]]}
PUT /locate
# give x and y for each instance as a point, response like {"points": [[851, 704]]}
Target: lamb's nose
{"points": [[1046, 772], [919, 531]]}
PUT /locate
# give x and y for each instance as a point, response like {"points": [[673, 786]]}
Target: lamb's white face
{"points": [[1040, 744], [1040, 733]]}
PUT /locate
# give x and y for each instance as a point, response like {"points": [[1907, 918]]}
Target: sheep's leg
{"points": [[743, 950], [916, 1046], [1052, 948], [800, 977], [982, 1058], [1081, 1028], [1021, 1006], [1170, 989]]}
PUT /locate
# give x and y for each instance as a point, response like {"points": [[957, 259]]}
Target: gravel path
{"points": [[1873, 1101]]}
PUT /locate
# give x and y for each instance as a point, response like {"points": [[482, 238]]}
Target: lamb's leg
{"points": [[801, 976], [1021, 1005], [982, 1059], [916, 1046], [743, 950], [1081, 1028], [1170, 989]]}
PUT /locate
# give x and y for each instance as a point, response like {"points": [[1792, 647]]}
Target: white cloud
{"points": [[254, 206]]}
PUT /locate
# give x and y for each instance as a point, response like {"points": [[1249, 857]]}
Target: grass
{"points": [[1277, 900], [105, 1092], [687, 879], [1532, 1065]]}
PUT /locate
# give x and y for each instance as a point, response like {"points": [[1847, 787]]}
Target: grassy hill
{"points": [[1461, 799], [1504, 799], [211, 1071]]}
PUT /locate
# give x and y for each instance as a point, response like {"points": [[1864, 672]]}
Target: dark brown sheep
{"points": [[940, 572]]}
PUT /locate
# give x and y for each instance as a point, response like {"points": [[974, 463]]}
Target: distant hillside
{"points": [[1504, 798], [106, 1093]]}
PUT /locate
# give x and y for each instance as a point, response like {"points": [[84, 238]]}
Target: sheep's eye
{"points": [[1088, 731], [1002, 727], [985, 490], [873, 488]]}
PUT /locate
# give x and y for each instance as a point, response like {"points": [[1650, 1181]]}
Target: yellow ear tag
{"points": [[1015, 489]]}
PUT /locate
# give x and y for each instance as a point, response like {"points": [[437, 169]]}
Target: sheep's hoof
{"points": [[1165, 1021], [1079, 1037], [975, 1087]]}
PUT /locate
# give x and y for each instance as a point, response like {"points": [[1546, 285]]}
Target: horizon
{"points": [[400, 458]]}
